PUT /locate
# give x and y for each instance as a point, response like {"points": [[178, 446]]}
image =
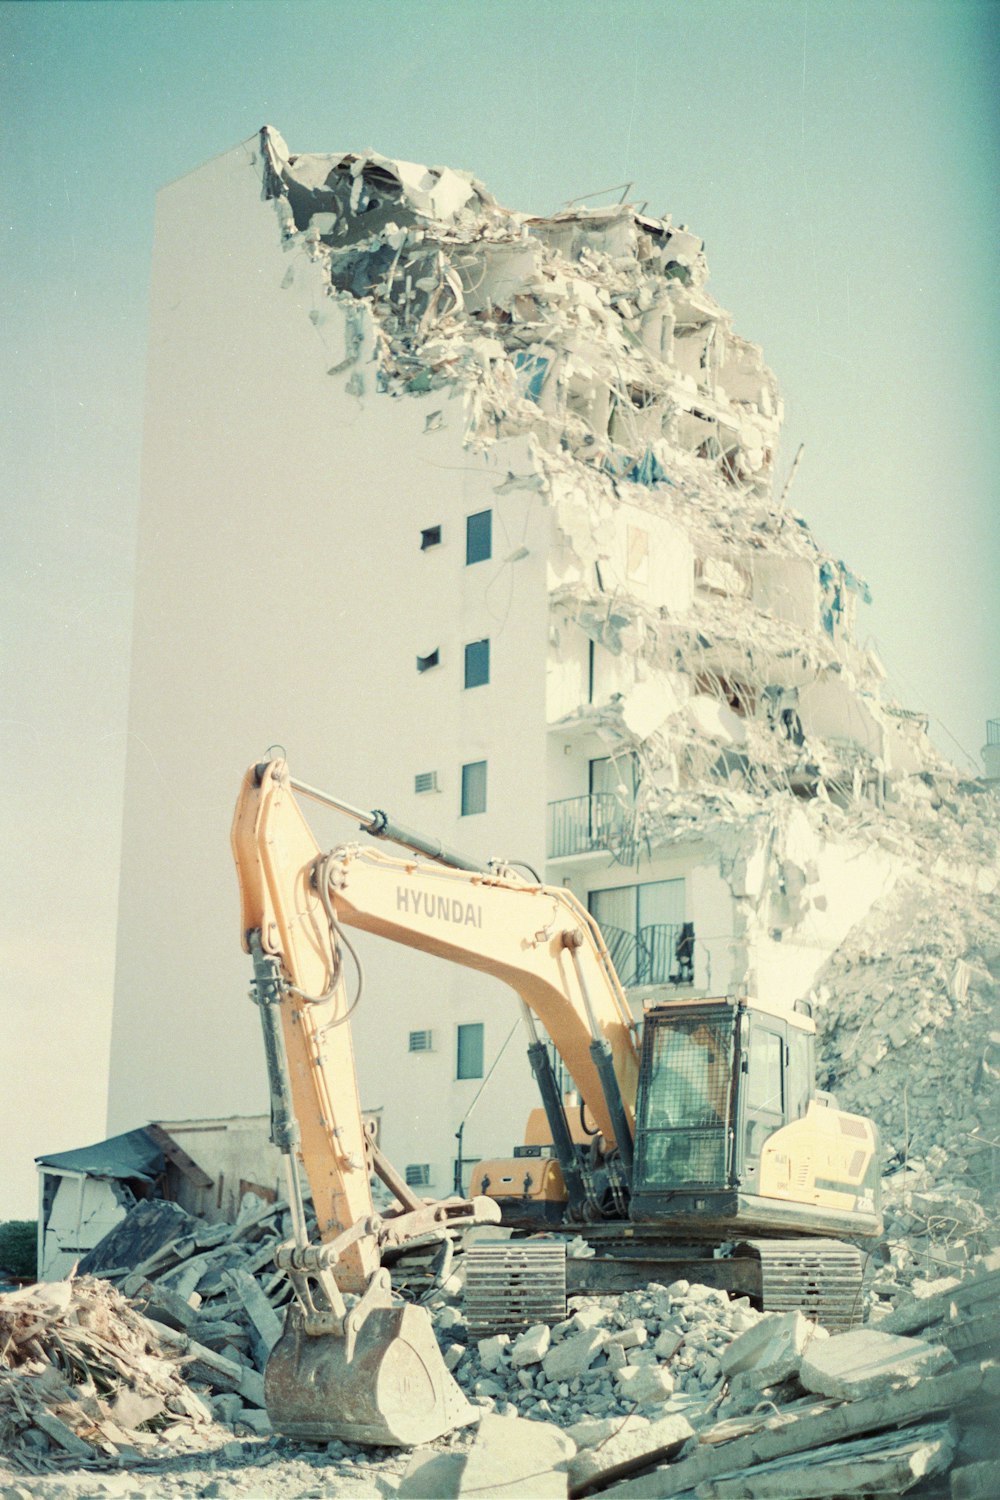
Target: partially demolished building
{"points": [[477, 512]]}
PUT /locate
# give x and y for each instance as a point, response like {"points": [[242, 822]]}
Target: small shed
{"points": [[204, 1165], [82, 1194]]}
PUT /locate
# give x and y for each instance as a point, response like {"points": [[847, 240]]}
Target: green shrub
{"points": [[19, 1247]]}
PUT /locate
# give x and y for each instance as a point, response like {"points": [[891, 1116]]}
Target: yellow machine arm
{"points": [[537, 939]]}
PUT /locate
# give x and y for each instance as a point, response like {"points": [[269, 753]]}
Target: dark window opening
{"points": [[477, 663], [469, 1061], [479, 537], [424, 663], [430, 537]]}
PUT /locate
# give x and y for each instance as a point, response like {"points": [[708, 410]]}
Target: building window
{"points": [[478, 537], [615, 775], [418, 1174], [421, 1041], [477, 663], [469, 1061], [474, 788], [430, 537], [644, 928], [424, 663]]}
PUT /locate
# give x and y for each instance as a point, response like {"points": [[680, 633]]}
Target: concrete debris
{"points": [[508, 1456], [634, 1440], [772, 1349], [851, 1365]]}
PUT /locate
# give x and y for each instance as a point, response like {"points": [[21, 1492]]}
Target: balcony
{"points": [[586, 825], [659, 954]]}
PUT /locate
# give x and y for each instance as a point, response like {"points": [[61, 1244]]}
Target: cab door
{"points": [[764, 1091]]}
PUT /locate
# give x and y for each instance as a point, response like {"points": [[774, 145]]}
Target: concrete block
{"points": [[631, 1337], [774, 1345], [254, 1420], [510, 1456], [644, 1384], [492, 1350], [590, 1431], [531, 1347], [453, 1355], [668, 1343], [575, 1354], [861, 1363]]}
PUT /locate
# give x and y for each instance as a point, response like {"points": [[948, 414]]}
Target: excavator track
{"points": [[514, 1284], [822, 1278]]}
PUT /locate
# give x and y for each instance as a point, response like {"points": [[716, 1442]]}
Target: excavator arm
{"points": [[327, 1376], [538, 939]]}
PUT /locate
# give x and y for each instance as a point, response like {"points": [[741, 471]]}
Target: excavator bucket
{"points": [[388, 1386]]}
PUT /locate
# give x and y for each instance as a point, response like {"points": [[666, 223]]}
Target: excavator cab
{"points": [[730, 1132]]}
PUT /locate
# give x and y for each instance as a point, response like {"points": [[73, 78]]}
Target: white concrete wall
{"points": [[841, 884], [787, 587], [231, 1152], [282, 596], [83, 1210]]}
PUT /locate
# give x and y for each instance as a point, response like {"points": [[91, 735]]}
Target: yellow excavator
{"points": [[702, 1123]]}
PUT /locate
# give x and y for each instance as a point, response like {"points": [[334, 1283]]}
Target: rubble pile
{"points": [[85, 1380], [589, 337], [723, 1401], [664, 1390], [162, 1340], [909, 1016], [647, 1351]]}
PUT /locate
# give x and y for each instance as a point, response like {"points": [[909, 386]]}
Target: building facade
{"points": [[474, 514]]}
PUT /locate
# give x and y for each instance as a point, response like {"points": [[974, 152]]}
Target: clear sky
{"points": [[840, 160]]}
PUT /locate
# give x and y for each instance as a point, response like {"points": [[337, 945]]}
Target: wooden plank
{"points": [[176, 1154]]}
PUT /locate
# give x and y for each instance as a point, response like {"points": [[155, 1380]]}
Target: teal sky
{"points": [[840, 160]]}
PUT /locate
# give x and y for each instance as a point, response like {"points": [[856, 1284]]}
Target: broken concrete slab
{"points": [[772, 1349], [509, 1456], [852, 1365], [627, 1445], [532, 1346], [569, 1358], [791, 1434], [879, 1465]]}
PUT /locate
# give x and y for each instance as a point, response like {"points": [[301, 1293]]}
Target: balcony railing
{"points": [[659, 954], [993, 731], [578, 825]]}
